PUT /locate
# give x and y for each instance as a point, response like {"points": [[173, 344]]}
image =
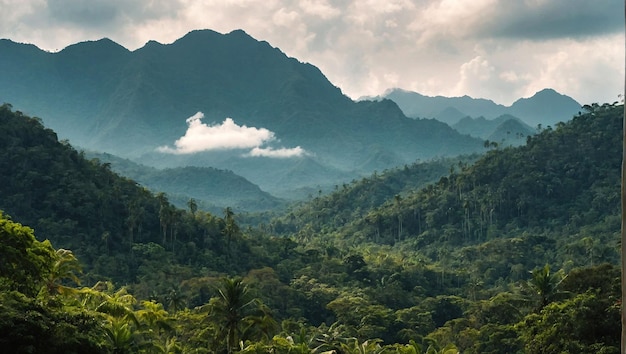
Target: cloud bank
{"points": [[497, 49], [228, 135]]}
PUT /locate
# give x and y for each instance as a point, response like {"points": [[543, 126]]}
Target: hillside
{"points": [[105, 98], [113, 225], [558, 189], [212, 189], [511, 132], [499, 254], [505, 129]]}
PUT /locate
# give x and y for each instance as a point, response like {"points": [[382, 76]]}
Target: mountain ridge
{"points": [[545, 107], [137, 101]]}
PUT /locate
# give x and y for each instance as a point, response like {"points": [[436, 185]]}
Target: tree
{"points": [[193, 206], [234, 310], [545, 284], [25, 262], [587, 323], [231, 229], [65, 266]]}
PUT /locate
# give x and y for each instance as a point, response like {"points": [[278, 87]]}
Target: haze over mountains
{"points": [[546, 107], [289, 127]]}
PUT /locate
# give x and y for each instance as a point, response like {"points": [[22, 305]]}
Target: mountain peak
{"points": [[204, 35], [547, 91], [100, 46], [198, 36], [545, 107]]}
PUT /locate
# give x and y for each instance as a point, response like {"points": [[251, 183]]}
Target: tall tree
{"points": [[545, 284], [64, 267], [231, 229], [231, 310]]}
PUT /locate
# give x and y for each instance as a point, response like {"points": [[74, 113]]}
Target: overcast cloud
{"points": [[227, 136], [497, 49]]}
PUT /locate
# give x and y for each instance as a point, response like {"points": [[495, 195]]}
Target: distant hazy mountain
{"points": [[212, 189], [546, 107], [511, 132], [104, 97], [416, 105], [450, 116], [505, 129]]}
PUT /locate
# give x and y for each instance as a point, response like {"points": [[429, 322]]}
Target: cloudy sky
{"points": [[497, 49]]}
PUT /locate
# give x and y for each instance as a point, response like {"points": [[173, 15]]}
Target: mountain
{"points": [[450, 116], [528, 205], [546, 107], [416, 105], [427, 253], [511, 132], [104, 97], [505, 129], [212, 189], [74, 202]]}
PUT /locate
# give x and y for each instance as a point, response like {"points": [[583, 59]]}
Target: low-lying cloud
{"points": [[277, 153], [228, 135]]}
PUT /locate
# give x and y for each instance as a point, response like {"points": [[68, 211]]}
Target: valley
{"points": [[213, 195]]}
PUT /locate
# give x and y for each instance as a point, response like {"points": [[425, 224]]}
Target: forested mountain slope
{"points": [[507, 254], [103, 97], [110, 222], [211, 188], [559, 192]]}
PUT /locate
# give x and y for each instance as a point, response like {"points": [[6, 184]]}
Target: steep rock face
{"points": [[103, 97]]}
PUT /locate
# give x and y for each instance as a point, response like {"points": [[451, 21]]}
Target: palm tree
{"points": [[353, 346], [64, 267], [231, 310], [193, 206], [175, 300], [231, 229], [120, 335], [398, 208], [545, 284]]}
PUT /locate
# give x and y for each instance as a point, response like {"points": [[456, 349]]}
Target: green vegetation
{"points": [[514, 251]]}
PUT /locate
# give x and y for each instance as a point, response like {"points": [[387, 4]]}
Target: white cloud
{"points": [[277, 153], [227, 136]]}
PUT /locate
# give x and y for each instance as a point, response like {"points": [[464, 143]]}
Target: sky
{"points": [[496, 49]]}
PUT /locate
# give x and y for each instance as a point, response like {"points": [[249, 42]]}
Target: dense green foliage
{"points": [[511, 252]]}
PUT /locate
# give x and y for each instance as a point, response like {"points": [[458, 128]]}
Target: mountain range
{"points": [[546, 107], [156, 104], [104, 97]]}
